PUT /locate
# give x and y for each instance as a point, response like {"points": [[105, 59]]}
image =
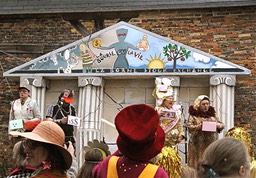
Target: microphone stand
{"points": [[185, 134]]}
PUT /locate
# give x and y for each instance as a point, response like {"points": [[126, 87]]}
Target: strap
{"points": [[112, 172], [149, 171], [13, 105]]}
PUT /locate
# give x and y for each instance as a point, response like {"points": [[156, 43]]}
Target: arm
{"points": [[220, 125], [193, 125], [36, 111], [11, 115], [180, 130], [73, 170], [49, 112]]}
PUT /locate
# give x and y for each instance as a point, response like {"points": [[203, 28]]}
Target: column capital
{"points": [[33, 81], [229, 80], [175, 80], [96, 81]]}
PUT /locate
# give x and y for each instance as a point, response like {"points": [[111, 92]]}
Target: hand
{"points": [[179, 139], [64, 120], [10, 138], [70, 148], [48, 119], [220, 126], [199, 127]]}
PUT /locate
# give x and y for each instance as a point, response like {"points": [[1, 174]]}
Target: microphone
{"points": [[181, 106], [61, 101]]}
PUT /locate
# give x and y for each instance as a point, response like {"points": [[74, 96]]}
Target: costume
{"points": [[63, 108], [140, 139], [126, 168], [173, 128], [29, 110], [170, 121], [199, 140], [25, 172], [56, 112]]}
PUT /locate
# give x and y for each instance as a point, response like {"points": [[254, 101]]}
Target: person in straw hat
{"points": [[140, 139], [45, 151]]}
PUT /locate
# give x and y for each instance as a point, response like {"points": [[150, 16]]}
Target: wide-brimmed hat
{"points": [[140, 135], [51, 133]]}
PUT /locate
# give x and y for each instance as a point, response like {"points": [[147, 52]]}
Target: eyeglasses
{"points": [[31, 144], [23, 91]]}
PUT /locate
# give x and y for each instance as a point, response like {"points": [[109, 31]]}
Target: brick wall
{"points": [[228, 33]]}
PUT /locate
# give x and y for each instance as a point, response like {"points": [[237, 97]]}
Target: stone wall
{"points": [[229, 33]]}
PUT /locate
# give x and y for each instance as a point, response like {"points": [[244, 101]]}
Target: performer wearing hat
{"points": [[170, 121], [26, 109], [140, 139], [203, 126], [60, 111]]}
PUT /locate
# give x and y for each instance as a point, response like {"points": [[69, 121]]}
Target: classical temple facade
{"points": [[118, 66]]}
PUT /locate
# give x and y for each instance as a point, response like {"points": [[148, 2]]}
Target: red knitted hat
{"points": [[140, 135]]}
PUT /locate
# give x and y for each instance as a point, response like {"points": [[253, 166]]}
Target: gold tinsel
{"points": [[170, 161], [242, 135]]}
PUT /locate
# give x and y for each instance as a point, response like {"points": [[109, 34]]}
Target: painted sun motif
{"points": [[156, 62]]}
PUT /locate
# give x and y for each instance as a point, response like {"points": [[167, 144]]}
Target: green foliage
{"points": [[175, 52]]}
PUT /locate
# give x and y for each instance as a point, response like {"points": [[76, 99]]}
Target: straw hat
{"points": [[140, 135], [51, 133]]}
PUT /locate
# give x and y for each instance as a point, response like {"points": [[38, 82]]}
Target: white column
{"points": [[37, 89], [222, 95], [90, 111]]}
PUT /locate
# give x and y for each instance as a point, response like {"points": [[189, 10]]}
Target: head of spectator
{"points": [[44, 149], [141, 137], [188, 172], [19, 164], [18, 155], [226, 157], [94, 153]]}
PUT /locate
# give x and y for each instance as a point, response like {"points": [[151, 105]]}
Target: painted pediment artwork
{"points": [[124, 48]]}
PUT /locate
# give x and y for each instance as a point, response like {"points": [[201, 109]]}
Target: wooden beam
{"points": [[100, 15], [79, 27]]}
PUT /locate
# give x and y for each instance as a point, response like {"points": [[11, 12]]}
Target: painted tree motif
{"points": [[175, 52]]}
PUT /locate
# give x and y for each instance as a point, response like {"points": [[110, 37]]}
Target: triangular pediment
{"points": [[124, 49]]}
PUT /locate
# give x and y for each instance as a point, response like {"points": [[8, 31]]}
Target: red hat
{"points": [[140, 135]]}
